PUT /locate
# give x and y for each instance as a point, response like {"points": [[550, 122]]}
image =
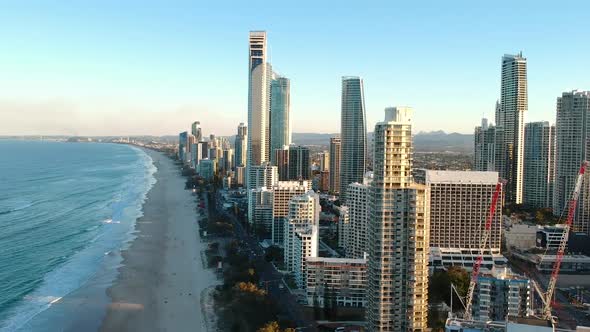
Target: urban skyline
{"points": [[136, 101]]}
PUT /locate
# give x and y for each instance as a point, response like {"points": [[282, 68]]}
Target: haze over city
{"points": [[133, 68]]}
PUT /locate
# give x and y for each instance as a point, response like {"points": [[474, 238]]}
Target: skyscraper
{"points": [[358, 199], [241, 145], [182, 148], [572, 139], [324, 161], [196, 131], [485, 147], [299, 168], [280, 108], [398, 232], [335, 145], [281, 157], [353, 133], [539, 138], [510, 119], [259, 74]]}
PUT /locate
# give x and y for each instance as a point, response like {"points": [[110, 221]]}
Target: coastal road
{"points": [[269, 276]]}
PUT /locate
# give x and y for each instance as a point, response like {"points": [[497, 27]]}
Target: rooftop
{"points": [[458, 177]]}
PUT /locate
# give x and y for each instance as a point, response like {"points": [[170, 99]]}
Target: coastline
{"points": [[161, 278]]}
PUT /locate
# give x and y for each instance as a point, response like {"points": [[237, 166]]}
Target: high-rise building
{"points": [[324, 185], [510, 121], [207, 169], [260, 208], [259, 75], [280, 108], [335, 145], [299, 167], [182, 148], [301, 232], [282, 162], [571, 147], [196, 131], [283, 191], [324, 161], [204, 149], [539, 139], [485, 147], [353, 133], [357, 201], [459, 205], [398, 231], [228, 160], [264, 175], [241, 145]]}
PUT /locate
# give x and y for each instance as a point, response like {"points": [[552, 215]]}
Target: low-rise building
{"points": [[443, 258], [521, 236], [500, 293]]}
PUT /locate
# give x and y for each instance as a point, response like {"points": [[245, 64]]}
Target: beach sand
{"points": [[162, 277]]}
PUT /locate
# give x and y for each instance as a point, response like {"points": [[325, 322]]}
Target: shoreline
{"points": [[161, 278]]}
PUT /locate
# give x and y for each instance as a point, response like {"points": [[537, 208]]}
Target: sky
{"points": [[114, 67]]}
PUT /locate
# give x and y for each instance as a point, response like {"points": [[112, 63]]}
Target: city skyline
{"points": [[130, 79]]}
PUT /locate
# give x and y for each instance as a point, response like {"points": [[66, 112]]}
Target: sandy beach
{"points": [[162, 278]]}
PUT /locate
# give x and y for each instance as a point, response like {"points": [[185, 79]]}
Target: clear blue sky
{"points": [[131, 67]]}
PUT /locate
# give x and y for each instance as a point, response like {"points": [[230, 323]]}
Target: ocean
{"points": [[64, 207]]}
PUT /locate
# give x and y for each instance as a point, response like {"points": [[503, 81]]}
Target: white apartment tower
{"points": [[301, 231], [510, 125], [398, 232], [357, 201], [283, 192], [259, 77]]}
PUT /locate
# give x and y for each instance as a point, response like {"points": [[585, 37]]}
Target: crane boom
{"points": [[482, 245], [573, 204]]}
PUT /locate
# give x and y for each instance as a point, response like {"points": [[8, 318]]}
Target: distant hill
{"points": [[434, 141]]}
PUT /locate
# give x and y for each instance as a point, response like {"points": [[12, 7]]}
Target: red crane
{"points": [[482, 245], [573, 204]]}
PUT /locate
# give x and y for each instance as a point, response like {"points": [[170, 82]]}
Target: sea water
{"points": [[63, 208]]}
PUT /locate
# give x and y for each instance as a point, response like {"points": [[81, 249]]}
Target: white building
{"points": [[397, 287], [337, 282], [510, 125], [521, 236], [260, 208], [358, 194], [259, 77], [538, 173], [301, 233], [485, 147], [283, 191]]}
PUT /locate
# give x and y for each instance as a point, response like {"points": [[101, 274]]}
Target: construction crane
{"points": [[547, 297], [482, 245]]}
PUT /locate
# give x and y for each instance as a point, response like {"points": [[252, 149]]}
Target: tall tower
{"points": [[241, 145], [398, 232], [259, 74], [280, 108], [485, 147], [510, 118], [539, 138], [196, 131], [335, 145], [353, 133], [572, 139]]}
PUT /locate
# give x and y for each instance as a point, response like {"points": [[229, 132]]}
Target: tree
{"points": [[439, 289], [274, 327]]}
